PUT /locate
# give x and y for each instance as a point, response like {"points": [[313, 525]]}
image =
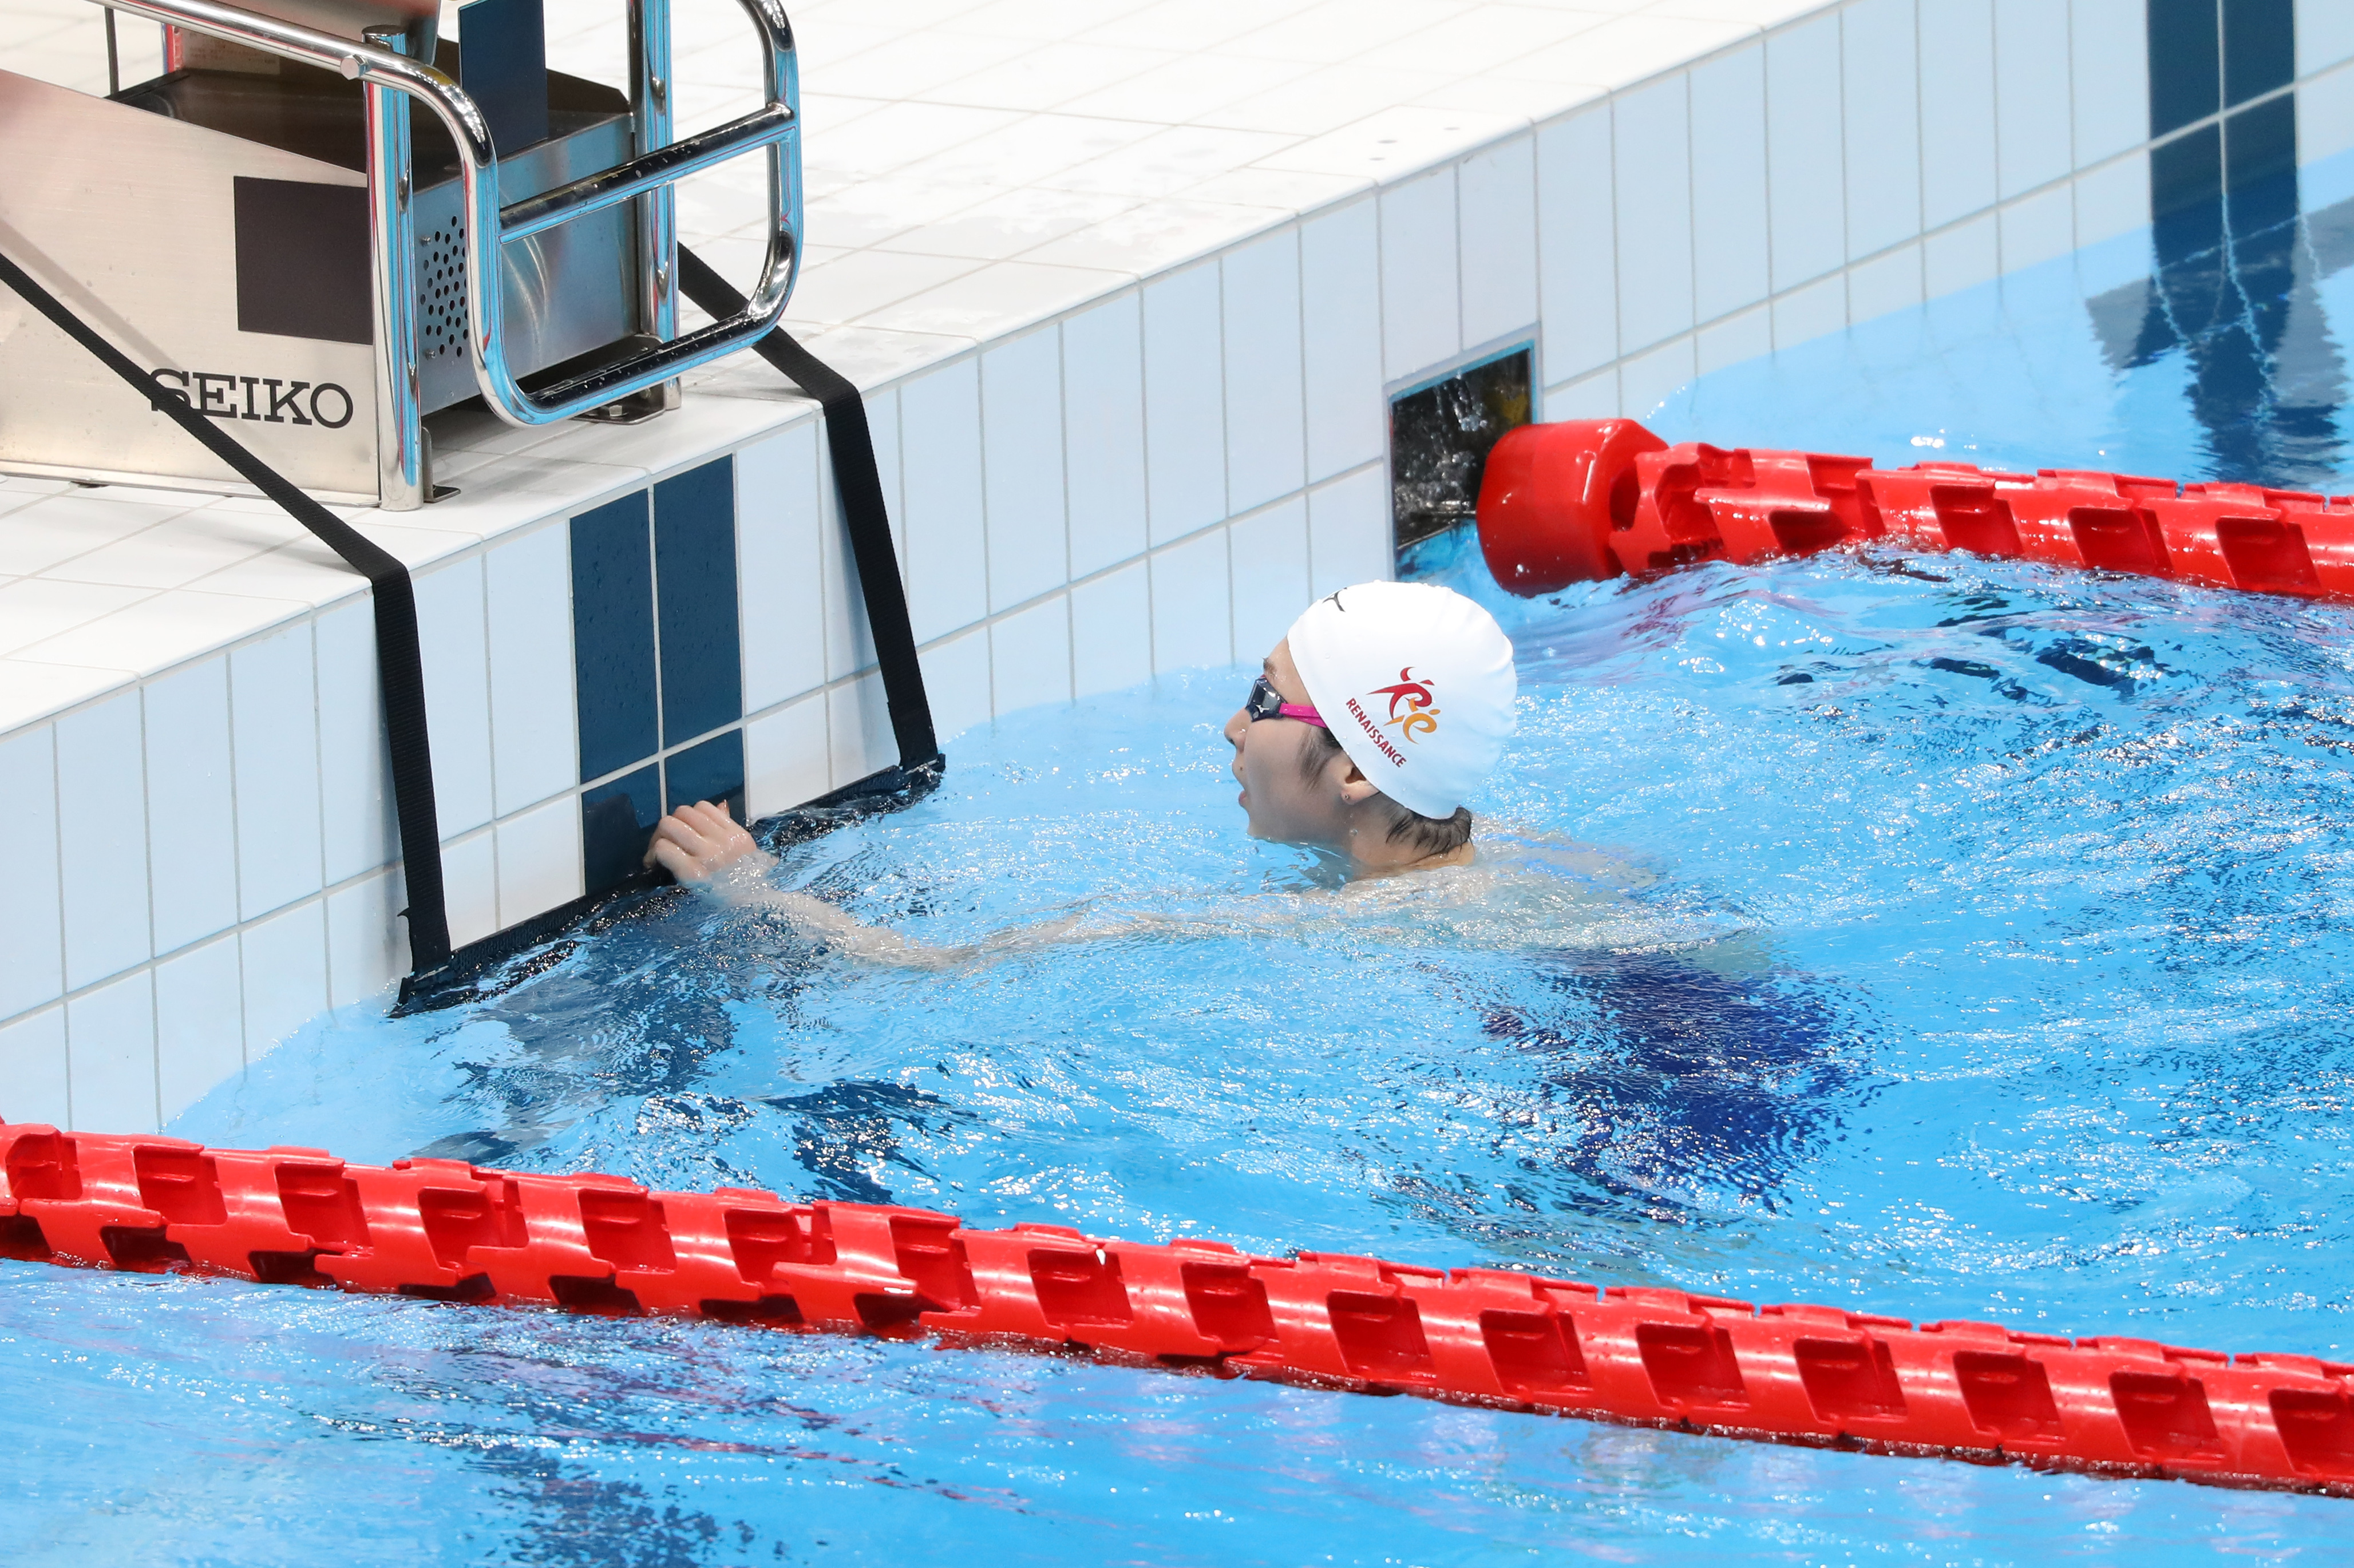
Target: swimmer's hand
{"points": [[707, 849], [696, 842]]}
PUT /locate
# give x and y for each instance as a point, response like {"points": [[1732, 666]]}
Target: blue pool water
{"points": [[1922, 934]]}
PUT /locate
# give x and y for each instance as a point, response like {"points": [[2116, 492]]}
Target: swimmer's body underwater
{"points": [[1382, 708]]}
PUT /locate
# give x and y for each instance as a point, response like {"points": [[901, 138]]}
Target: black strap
{"points": [[860, 487], [400, 672]]}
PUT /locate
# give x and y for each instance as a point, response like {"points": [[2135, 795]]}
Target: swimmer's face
{"points": [[1283, 799]]}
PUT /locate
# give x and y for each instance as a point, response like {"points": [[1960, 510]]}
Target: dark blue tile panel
{"points": [[695, 561], [616, 820], [2186, 176], [2259, 46], [2260, 165], [613, 636], [710, 770], [502, 66], [2186, 75]]}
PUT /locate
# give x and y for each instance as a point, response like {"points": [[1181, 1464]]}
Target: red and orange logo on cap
{"points": [[1420, 718]]}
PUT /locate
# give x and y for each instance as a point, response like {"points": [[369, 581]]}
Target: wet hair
{"points": [[1426, 836]]}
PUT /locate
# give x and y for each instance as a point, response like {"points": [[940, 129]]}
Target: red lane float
{"points": [[454, 1231], [1590, 499]]}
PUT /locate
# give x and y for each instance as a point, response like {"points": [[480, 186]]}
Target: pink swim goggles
{"points": [[1266, 703]]}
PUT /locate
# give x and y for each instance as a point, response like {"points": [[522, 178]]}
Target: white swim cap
{"points": [[1416, 683]]}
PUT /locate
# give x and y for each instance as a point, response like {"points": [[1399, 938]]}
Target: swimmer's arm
{"points": [[705, 847]]}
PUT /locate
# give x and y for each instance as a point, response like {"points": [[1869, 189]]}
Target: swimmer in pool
{"points": [[1384, 707]]}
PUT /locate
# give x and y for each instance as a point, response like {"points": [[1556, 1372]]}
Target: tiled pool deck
{"points": [[1126, 283]]}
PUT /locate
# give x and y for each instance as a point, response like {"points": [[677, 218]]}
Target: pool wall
{"points": [[1138, 453]]}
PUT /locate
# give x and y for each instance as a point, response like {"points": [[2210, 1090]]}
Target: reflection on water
{"points": [[2235, 292]]}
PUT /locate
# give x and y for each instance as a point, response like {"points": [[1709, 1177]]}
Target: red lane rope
{"points": [[1587, 499], [454, 1231]]}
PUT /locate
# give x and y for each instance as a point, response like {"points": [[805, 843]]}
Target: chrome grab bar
{"points": [[379, 65], [609, 187]]}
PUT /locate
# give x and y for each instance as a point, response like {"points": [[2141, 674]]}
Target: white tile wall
{"points": [[1805, 150], [858, 728], [192, 827], [354, 796], [1192, 605], [284, 960], [1271, 575], [1267, 451], [1022, 463], [2109, 76], [782, 607], [1111, 630], [273, 696], [31, 921], [785, 756], [33, 1064], [2113, 199], [1496, 199], [849, 644], [1184, 404], [1422, 313], [102, 839], [2325, 35], [1125, 391], [199, 1023], [1957, 119], [1888, 281], [1349, 531], [1730, 251], [469, 885], [956, 681], [1103, 404], [2041, 228], [538, 860], [1962, 257], [2033, 134], [1880, 89], [1577, 278], [110, 1053], [457, 692], [528, 600], [947, 560], [2324, 128], [1646, 380], [1341, 338], [1030, 656], [1595, 397], [367, 944], [1727, 341], [1652, 176]]}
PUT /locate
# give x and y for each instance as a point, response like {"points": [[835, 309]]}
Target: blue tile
{"points": [[2185, 188], [711, 770], [616, 820], [694, 562], [613, 636], [502, 66], [2186, 67], [2260, 165], [2259, 46]]}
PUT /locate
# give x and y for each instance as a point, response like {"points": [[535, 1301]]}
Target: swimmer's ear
{"points": [[1355, 787]]}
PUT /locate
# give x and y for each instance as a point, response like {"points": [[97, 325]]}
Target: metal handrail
{"points": [[609, 188], [774, 128]]}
